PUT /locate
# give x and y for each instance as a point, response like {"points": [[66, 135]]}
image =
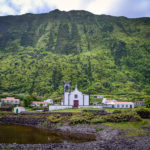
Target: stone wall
{"points": [[97, 112], [24, 121], [45, 113]]}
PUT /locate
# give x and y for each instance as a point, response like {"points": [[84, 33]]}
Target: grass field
{"points": [[127, 125], [131, 128], [78, 110], [75, 110]]}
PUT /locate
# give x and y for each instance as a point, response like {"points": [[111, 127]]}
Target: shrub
{"points": [[54, 118], [143, 112], [97, 119], [116, 111], [37, 108], [96, 112], [81, 118], [122, 117]]}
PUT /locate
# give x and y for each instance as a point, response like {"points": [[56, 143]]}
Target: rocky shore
{"points": [[136, 143], [108, 138]]}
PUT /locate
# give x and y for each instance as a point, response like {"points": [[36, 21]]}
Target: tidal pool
{"points": [[29, 135]]}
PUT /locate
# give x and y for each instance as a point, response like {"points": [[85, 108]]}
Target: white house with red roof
{"points": [[108, 101], [123, 105], [50, 101], [11, 100], [39, 103], [115, 104]]}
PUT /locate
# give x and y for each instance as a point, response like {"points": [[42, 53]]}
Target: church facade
{"points": [[74, 98]]}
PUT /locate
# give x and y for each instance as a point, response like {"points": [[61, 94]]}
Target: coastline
{"points": [[108, 138]]}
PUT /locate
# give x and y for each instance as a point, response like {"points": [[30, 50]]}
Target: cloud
{"points": [[5, 9], [101, 6], [132, 8], [129, 8]]}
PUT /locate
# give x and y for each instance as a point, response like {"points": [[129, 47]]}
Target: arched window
{"points": [[75, 96]]}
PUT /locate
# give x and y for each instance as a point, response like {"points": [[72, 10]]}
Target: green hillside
{"points": [[100, 53]]}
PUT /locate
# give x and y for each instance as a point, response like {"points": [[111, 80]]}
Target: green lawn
{"points": [[129, 125], [28, 109], [78, 110], [121, 109]]}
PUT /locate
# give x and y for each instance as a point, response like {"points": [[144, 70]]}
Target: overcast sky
{"points": [[128, 8]]}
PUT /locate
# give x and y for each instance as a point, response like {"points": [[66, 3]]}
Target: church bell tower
{"points": [[67, 87]]}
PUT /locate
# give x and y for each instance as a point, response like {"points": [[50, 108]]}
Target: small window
{"points": [[122, 106], [126, 106], [118, 106], [76, 96]]}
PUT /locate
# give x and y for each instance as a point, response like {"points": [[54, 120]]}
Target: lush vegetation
{"points": [[131, 128], [102, 54], [132, 121], [82, 116]]}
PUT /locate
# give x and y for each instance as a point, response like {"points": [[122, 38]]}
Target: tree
{"points": [[147, 102], [28, 100]]}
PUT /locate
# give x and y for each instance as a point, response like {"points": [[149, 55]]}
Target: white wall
{"points": [[86, 100], [11, 102], [123, 105], [66, 98], [90, 107], [58, 107], [19, 110], [107, 106], [50, 101], [79, 98], [104, 101]]}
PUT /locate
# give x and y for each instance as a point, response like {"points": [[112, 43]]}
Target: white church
{"points": [[74, 98]]}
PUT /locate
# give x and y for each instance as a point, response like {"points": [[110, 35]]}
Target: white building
{"points": [[75, 98], [115, 104], [123, 105], [19, 109], [10, 100], [50, 101], [139, 103], [108, 101]]}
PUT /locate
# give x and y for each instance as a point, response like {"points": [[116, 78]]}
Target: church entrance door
{"points": [[76, 103]]}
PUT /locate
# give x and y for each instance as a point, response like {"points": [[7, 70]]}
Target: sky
{"points": [[128, 8]]}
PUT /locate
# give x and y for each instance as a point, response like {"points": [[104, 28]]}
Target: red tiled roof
{"points": [[10, 99], [123, 103]]}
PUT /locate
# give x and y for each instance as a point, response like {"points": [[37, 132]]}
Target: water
{"points": [[29, 135]]}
